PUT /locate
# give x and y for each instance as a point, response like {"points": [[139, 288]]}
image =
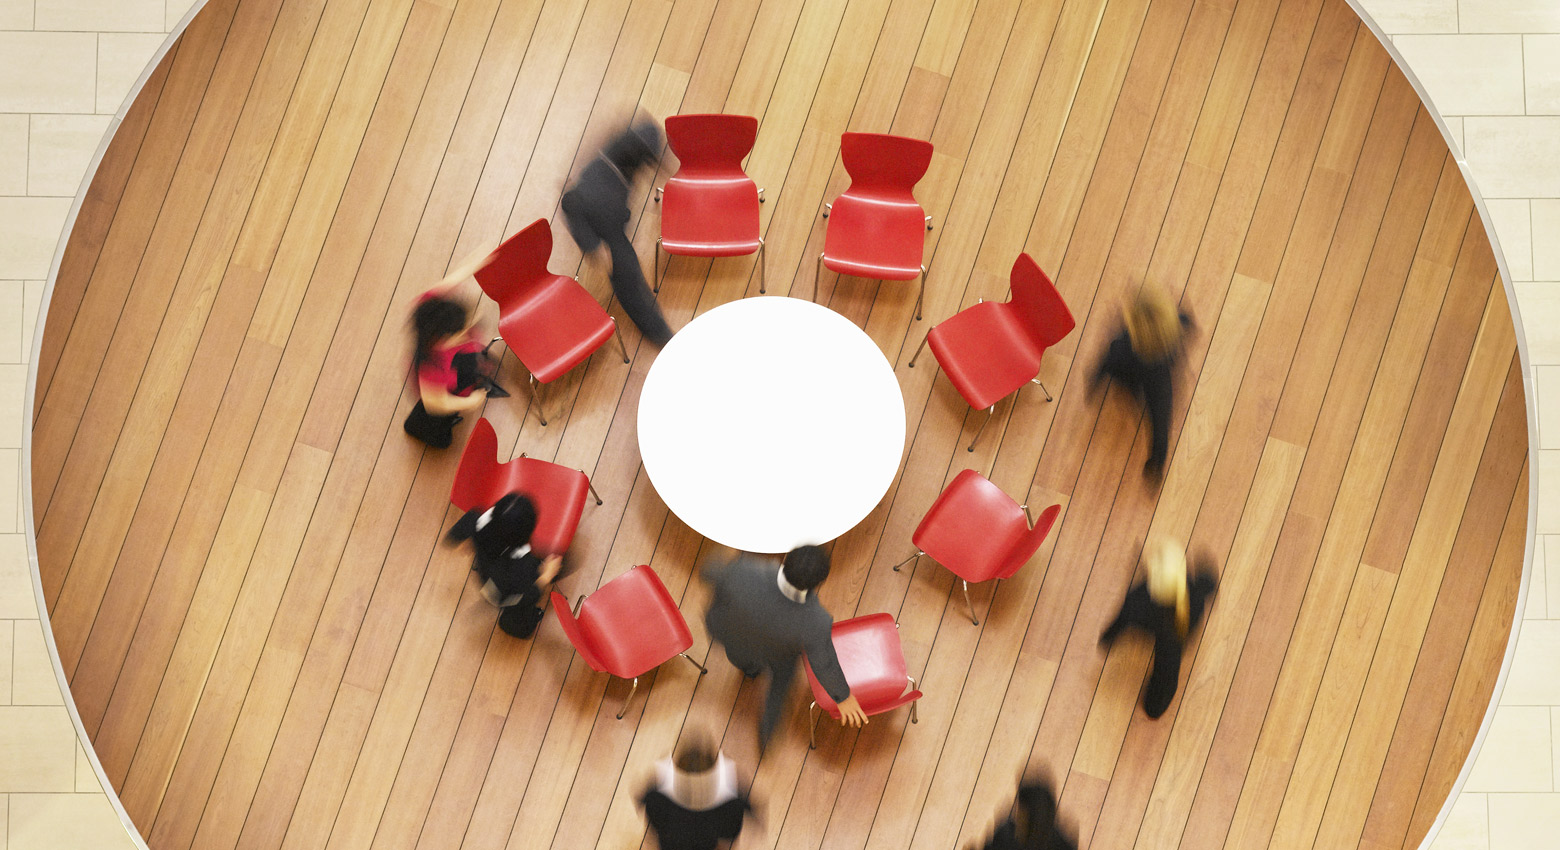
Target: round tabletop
{"points": [[769, 423]]}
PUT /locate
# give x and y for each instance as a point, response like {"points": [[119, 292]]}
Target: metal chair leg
{"points": [[619, 334], [631, 692], [989, 411], [763, 278], [657, 288], [921, 295], [812, 726], [593, 493], [702, 668], [818, 277], [919, 349], [1036, 382], [913, 718], [967, 603], [578, 604], [918, 554], [538, 392]]}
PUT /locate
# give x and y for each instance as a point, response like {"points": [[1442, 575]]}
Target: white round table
{"points": [[769, 423]]}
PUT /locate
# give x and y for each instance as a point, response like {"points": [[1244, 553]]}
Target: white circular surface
{"points": [[769, 423]]}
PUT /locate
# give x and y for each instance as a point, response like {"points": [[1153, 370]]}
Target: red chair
{"points": [[877, 229], [628, 627], [991, 349], [710, 206], [874, 666], [558, 491], [978, 533], [548, 320]]}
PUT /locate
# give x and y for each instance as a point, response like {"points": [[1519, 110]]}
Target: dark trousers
{"points": [[780, 679], [596, 210], [1152, 383]]}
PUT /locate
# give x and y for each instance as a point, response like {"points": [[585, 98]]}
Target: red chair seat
{"points": [[873, 661], [628, 627], [876, 228], [557, 491], [709, 208], [985, 352], [971, 527]]}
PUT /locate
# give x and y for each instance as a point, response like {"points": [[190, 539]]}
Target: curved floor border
{"points": [[1357, 5]]}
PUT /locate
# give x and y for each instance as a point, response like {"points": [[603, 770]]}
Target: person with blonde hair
{"points": [[1167, 604], [1142, 358]]}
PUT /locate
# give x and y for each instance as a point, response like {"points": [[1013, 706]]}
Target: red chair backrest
{"points": [[571, 630], [478, 467], [1028, 543], [518, 266], [882, 165], [708, 145], [1040, 308]]}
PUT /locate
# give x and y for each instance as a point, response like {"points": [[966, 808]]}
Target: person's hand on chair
{"points": [[851, 713], [549, 570]]}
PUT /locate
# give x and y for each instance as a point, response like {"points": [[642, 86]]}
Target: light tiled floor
{"points": [[1492, 67]]}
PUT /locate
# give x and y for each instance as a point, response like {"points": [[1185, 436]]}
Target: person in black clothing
{"points": [[596, 209], [694, 803], [1142, 358], [1168, 604], [1032, 825], [513, 577]]}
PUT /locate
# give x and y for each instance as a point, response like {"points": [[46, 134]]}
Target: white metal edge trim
{"points": [[28, 399]]}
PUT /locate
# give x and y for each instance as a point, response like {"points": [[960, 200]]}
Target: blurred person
{"points": [[695, 802], [1142, 358], [1032, 825], [454, 373], [1167, 604], [768, 617], [513, 577], [596, 210]]}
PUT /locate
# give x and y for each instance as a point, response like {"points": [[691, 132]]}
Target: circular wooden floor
{"points": [[240, 549]]}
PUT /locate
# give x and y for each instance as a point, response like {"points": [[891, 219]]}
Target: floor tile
{"points": [[1442, 63], [32, 674], [1467, 826], [100, 15], [10, 489], [1539, 307], [5, 817], [175, 12], [16, 589], [1541, 69], [37, 751], [13, 390], [32, 228], [1514, 157], [86, 780], [1549, 498], [1538, 585], [47, 71], [11, 292], [1513, 223], [16, 15], [121, 59], [1454, 126], [1552, 577], [13, 154], [59, 151], [1532, 680], [1413, 16], [1546, 248], [1515, 755], [65, 822], [1517, 821], [32, 296], [1508, 16], [5, 661]]}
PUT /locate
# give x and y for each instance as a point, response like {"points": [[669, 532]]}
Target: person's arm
{"points": [[548, 571], [1131, 613], [825, 665], [439, 401]]}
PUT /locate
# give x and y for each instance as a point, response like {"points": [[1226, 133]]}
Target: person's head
{"points": [[698, 773], [696, 754], [435, 319], [509, 523], [1153, 324], [806, 567], [634, 148], [1165, 561], [1034, 815]]}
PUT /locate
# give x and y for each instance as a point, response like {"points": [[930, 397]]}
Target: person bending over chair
{"points": [[513, 577], [1167, 605]]}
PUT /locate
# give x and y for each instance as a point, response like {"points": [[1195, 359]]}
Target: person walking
{"points": [[1167, 605], [695, 802], [596, 211], [1142, 358], [768, 617], [1032, 825], [513, 576]]}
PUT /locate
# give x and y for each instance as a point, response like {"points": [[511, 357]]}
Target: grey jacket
{"points": [[755, 621]]}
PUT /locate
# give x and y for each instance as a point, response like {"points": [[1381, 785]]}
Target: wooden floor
{"points": [[240, 549]]}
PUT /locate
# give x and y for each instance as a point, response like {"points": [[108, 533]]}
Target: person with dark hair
{"points": [[596, 210], [1167, 605], [453, 373], [767, 618], [1032, 825], [1142, 358], [695, 802], [513, 577]]}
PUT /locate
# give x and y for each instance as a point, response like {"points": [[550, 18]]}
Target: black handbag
{"points": [[520, 620], [436, 431]]}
